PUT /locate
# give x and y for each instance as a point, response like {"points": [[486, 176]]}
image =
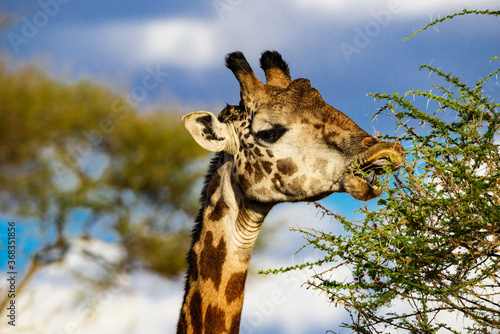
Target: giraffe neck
{"points": [[223, 238]]}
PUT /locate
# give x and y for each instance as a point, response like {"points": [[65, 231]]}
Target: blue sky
{"points": [[346, 48], [116, 41]]}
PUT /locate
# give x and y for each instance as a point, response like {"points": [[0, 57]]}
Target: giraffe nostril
{"points": [[369, 141]]}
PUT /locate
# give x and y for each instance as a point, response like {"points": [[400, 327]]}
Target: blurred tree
{"points": [[432, 246], [81, 161], [5, 20]]}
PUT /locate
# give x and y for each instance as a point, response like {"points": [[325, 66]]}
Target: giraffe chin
{"points": [[359, 188]]}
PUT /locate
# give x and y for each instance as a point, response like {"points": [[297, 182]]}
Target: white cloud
{"points": [[195, 43], [187, 42], [297, 28]]}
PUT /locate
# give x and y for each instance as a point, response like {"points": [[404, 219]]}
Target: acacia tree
{"points": [[77, 160], [432, 246]]}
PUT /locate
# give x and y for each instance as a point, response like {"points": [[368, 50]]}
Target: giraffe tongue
{"points": [[370, 178], [376, 166], [379, 162]]}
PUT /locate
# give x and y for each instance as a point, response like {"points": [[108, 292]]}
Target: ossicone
{"points": [[276, 69], [249, 83]]}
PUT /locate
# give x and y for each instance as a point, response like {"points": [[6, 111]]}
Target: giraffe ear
{"points": [[209, 132]]}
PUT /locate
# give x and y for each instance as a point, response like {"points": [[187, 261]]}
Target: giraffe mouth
{"points": [[371, 178], [361, 179], [368, 174], [380, 159], [371, 170]]}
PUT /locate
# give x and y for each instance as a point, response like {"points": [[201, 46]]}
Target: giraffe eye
{"points": [[271, 135]]}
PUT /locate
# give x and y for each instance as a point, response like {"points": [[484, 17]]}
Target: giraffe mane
{"points": [[196, 231]]}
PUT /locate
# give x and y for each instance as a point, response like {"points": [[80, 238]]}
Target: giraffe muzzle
{"points": [[360, 179], [380, 158]]}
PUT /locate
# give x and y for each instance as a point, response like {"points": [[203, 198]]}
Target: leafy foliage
{"points": [[432, 246], [80, 161]]}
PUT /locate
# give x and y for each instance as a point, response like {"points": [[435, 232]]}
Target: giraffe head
{"points": [[287, 143]]}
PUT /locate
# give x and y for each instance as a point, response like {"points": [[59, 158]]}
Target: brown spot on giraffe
{"points": [[320, 164], [219, 210], [298, 184], [235, 324], [259, 174], [287, 166], [212, 259], [267, 165], [193, 259], [249, 168], [257, 152], [331, 136], [213, 185], [235, 286], [243, 182], [182, 326], [196, 312], [215, 320]]}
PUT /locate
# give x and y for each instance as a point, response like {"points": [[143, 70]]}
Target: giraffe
{"points": [[282, 143]]}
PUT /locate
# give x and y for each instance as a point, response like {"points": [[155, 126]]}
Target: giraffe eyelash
{"points": [[271, 135]]}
